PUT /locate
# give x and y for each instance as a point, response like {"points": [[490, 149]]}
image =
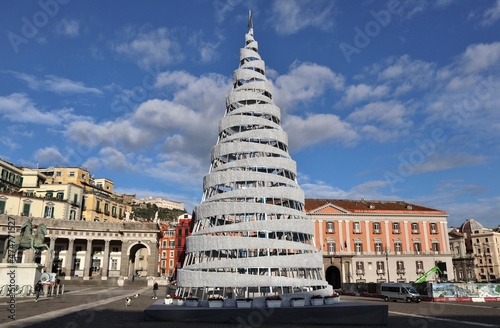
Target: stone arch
{"points": [[137, 265], [138, 243]]}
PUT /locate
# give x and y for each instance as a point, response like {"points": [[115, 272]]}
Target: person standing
{"points": [[38, 290], [155, 289]]}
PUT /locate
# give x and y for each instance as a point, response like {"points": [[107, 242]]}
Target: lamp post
{"points": [[387, 250]]}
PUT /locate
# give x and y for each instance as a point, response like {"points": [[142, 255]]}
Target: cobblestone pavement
{"points": [[99, 307]]}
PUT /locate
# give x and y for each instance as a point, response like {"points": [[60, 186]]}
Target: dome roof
{"points": [[470, 226]]}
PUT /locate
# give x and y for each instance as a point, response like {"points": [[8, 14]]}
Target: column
{"points": [[407, 234], [387, 234], [49, 260], [426, 236], [124, 260], [105, 261], [367, 235], [88, 258], [341, 237], [347, 242], [69, 259], [445, 241], [153, 259]]}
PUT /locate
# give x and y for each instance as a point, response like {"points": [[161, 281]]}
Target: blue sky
{"points": [[381, 100]]}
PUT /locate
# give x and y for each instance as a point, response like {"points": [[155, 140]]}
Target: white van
{"points": [[398, 291]]}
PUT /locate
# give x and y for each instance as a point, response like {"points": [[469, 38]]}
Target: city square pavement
{"points": [[105, 307]]}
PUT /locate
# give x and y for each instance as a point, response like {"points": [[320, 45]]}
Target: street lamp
{"points": [[387, 250]]}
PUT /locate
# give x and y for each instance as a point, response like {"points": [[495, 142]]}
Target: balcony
{"points": [[357, 231], [400, 271], [415, 231], [420, 271], [376, 231], [360, 272], [331, 253], [434, 231], [396, 231], [380, 271], [330, 231]]}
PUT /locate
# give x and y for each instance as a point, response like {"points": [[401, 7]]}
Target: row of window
{"points": [[13, 178], [379, 247], [380, 267], [106, 209], [356, 227]]}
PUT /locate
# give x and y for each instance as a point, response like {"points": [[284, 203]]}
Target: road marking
{"points": [[476, 306], [460, 322], [59, 313], [76, 290]]}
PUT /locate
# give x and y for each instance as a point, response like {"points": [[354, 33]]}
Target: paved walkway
{"points": [[79, 303]]}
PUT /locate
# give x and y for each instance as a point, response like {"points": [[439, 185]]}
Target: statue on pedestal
{"points": [[26, 239]]}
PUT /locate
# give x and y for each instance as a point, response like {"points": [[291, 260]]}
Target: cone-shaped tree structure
{"points": [[251, 236]]}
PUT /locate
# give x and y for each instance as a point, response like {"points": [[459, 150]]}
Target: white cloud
{"points": [[150, 47], [439, 161], [55, 84], [321, 189], [290, 16], [404, 70], [492, 14], [9, 143], [207, 49], [480, 57], [361, 92], [68, 27], [304, 82], [317, 128], [115, 160], [18, 107], [49, 156], [382, 120], [176, 134]]}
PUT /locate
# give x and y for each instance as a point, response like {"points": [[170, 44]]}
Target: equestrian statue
{"points": [[27, 239]]}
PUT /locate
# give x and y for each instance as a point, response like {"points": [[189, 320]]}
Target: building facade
{"points": [[484, 246], [92, 249], [99, 203], [161, 203], [67, 193], [166, 251], [462, 257], [379, 241]]}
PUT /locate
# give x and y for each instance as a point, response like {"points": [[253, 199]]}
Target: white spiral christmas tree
{"points": [[251, 236]]}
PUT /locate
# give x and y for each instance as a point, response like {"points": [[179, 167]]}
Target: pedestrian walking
{"points": [[38, 290], [155, 288]]}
